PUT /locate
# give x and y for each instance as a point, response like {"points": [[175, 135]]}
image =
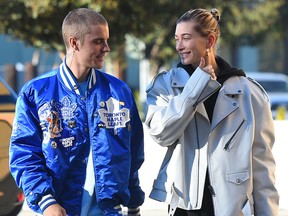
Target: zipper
{"points": [[196, 126], [211, 189], [226, 147]]}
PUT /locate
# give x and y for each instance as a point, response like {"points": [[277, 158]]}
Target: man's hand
{"points": [[54, 210], [208, 68]]}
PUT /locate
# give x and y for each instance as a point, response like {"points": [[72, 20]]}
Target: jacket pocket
{"points": [[237, 177]]}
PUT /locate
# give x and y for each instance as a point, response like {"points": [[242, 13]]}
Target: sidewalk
{"points": [[144, 212], [154, 155]]}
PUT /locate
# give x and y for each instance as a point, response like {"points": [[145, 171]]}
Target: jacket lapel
{"points": [[227, 101]]}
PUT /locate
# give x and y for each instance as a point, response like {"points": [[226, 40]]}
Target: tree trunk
{"points": [[119, 64], [11, 76], [30, 71], [234, 54], [285, 38]]}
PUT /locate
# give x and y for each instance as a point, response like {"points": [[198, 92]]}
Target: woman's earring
{"points": [[207, 52]]}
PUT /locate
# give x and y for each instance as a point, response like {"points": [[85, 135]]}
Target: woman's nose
{"points": [[179, 45]]}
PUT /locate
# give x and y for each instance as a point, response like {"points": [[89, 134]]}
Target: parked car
{"points": [[11, 197], [276, 85]]}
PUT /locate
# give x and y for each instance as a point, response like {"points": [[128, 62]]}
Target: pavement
{"points": [[154, 155]]}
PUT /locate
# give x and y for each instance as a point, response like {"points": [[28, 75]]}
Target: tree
{"points": [[153, 22], [242, 22], [280, 32], [248, 22]]}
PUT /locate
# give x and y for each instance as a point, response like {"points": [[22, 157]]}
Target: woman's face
{"points": [[190, 45]]}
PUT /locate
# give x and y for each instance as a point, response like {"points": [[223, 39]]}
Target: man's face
{"points": [[94, 48]]}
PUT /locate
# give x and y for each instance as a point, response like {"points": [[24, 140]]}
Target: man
{"points": [[77, 141]]}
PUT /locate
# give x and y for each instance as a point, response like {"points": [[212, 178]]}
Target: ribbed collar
{"points": [[70, 81]]}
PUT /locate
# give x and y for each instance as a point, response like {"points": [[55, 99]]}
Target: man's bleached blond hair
{"points": [[78, 23]]}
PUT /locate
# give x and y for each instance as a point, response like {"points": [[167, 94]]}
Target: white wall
{"points": [[280, 151]]}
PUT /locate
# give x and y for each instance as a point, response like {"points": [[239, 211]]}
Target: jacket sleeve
{"points": [[27, 164], [266, 198], [137, 159], [168, 115]]}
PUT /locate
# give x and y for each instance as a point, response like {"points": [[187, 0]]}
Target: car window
{"points": [[274, 86]]}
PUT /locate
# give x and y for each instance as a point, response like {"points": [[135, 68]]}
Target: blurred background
{"points": [[254, 37]]}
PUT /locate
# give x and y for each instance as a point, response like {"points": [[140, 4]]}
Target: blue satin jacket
{"points": [[53, 129]]}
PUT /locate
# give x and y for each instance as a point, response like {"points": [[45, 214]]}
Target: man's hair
{"points": [[78, 23]]}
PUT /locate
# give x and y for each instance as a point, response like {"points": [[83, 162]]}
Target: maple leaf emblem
{"points": [[114, 117], [66, 108]]}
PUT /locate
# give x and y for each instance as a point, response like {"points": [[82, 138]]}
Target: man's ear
{"points": [[74, 44]]}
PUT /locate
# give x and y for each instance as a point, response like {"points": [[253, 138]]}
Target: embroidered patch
{"points": [[114, 117], [71, 124], [67, 142], [66, 108], [46, 137], [54, 126], [44, 111], [51, 115]]}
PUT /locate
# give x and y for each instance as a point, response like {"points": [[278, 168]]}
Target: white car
{"points": [[276, 85]]}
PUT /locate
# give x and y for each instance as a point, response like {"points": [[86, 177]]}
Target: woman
{"points": [[217, 126]]}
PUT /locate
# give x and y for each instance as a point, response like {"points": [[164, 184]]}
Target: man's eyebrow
{"points": [[100, 38]]}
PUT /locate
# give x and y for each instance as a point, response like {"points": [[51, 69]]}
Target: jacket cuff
{"points": [[46, 201], [134, 211], [119, 209]]}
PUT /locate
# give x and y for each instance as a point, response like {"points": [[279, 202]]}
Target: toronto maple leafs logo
{"points": [[114, 117], [66, 108]]}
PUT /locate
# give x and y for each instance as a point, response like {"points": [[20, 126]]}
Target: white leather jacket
{"points": [[236, 146]]}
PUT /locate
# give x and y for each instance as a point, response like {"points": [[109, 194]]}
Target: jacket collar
{"points": [[179, 77], [70, 81], [229, 101], [225, 106], [233, 87]]}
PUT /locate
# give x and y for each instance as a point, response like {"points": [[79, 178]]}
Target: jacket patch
{"points": [[114, 117], [67, 142], [50, 115], [66, 108], [54, 126]]}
